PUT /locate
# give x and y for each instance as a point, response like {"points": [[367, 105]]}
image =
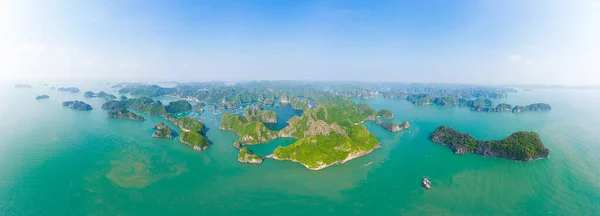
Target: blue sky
{"points": [[484, 42]]}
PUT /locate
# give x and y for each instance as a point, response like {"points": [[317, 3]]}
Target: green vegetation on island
{"points": [[522, 146], [532, 107], [39, 97], [148, 106], [123, 113], [195, 140], [178, 106], [77, 105], [73, 90], [89, 94], [162, 131], [385, 113], [328, 135], [187, 123], [246, 156], [193, 132], [249, 132], [110, 97], [300, 103], [500, 108], [256, 114]]}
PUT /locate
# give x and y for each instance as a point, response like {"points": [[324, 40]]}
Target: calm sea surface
{"points": [[57, 161]]}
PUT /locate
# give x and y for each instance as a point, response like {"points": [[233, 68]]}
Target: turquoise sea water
{"points": [[56, 161]]}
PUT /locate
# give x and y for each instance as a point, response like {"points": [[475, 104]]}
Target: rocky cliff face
{"points": [[393, 127]]}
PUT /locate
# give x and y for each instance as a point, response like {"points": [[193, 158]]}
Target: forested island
{"points": [[385, 113], [532, 107], [162, 131], [72, 90], [522, 146], [101, 94], [149, 106], [40, 97], [123, 113], [246, 156], [77, 105], [193, 133]]}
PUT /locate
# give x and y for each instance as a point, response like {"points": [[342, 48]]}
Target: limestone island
{"points": [[149, 106], [39, 97], [327, 135], [521, 146], [193, 133], [500, 108], [77, 105], [532, 107], [162, 131], [123, 113], [385, 113], [101, 94], [246, 156], [73, 90], [393, 127]]}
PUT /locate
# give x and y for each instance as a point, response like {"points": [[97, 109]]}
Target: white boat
{"points": [[426, 183]]}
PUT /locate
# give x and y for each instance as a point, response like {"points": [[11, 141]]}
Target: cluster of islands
{"points": [[330, 127]]}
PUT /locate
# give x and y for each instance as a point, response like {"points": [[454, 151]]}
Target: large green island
{"points": [[521, 146], [327, 135]]}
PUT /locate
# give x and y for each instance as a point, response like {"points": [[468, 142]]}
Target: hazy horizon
{"points": [[461, 42]]}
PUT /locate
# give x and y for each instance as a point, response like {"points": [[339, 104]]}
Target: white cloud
{"points": [[518, 58], [129, 64], [515, 58], [32, 49]]}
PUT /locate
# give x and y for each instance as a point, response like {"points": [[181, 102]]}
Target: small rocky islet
{"points": [[101, 94], [162, 131], [393, 127], [40, 97], [72, 90], [77, 105], [246, 156]]}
